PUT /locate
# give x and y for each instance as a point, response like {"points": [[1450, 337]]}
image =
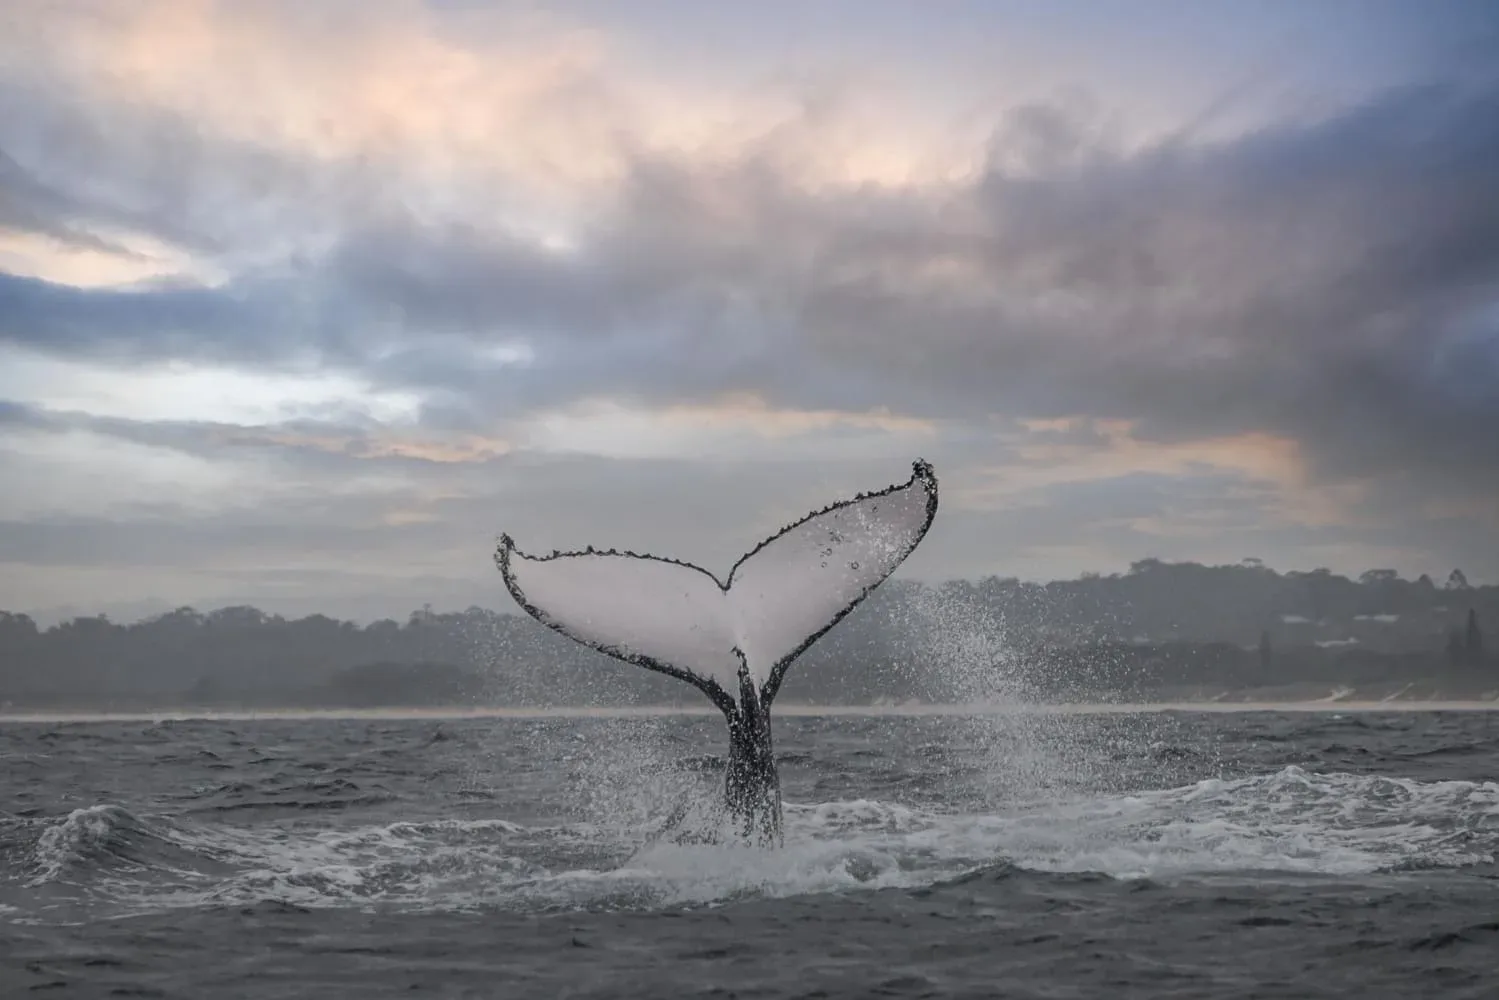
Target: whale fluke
{"points": [[733, 639]]}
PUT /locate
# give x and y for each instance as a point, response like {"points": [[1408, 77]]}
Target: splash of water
{"points": [[1009, 752], [1291, 821]]}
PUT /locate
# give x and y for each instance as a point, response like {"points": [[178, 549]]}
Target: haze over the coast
{"points": [[300, 305], [1161, 633]]}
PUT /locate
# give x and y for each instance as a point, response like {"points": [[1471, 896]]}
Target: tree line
{"points": [[1159, 627]]}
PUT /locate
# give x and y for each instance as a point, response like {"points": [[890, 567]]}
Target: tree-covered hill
{"points": [[1159, 627]]}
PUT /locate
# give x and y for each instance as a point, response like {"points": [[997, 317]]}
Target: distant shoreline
{"points": [[662, 711]]}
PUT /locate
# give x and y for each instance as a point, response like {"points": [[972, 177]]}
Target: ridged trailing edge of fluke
{"points": [[733, 639]]}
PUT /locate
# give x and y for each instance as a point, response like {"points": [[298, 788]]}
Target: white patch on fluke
{"points": [[682, 620]]}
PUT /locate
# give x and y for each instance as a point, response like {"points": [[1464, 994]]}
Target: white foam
{"points": [[79, 833], [1291, 821]]}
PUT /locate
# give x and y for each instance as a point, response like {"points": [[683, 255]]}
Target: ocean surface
{"points": [[1151, 854]]}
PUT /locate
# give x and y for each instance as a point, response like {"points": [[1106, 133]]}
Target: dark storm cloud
{"points": [[1335, 283]]}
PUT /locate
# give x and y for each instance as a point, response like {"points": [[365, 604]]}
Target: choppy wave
{"points": [[109, 842], [1289, 821], [1292, 820]]}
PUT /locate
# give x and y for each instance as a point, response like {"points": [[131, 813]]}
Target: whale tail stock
{"points": [[732, 639]]}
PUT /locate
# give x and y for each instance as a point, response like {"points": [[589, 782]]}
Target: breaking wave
{"points": [[1292, 820]]}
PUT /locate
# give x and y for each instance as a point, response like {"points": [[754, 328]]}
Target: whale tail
{"points": [[732, 639]]}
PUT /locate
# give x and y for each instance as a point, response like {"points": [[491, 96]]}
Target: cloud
{"points": [[1331, 282], [318, 252]]}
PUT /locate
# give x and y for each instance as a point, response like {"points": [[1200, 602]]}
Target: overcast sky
{"points": [[301, 304]]}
